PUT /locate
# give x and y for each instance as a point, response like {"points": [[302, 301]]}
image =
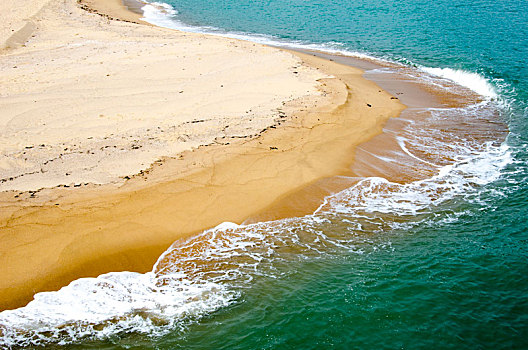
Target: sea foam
{"points": [[110, 304]]}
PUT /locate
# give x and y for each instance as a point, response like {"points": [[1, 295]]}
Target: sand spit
{"points": [[118, 138]]}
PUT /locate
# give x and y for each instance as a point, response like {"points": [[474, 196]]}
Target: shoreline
{"points": [[114, 10], [314, 143]]}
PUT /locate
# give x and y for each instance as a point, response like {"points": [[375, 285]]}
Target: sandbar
{"points": [[119, 138]]}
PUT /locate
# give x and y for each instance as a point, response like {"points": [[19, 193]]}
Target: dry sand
{"points": [[90, 100], [214, 130]]}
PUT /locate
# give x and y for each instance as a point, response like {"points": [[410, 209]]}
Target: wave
{"points": [[472, 81], [160, 14], [113, 303]]}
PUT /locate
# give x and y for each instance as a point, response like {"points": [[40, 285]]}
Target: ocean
{"points": [[438, 261]]}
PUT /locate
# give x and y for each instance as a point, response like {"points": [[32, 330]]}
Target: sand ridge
{"points": [[308, 118]]}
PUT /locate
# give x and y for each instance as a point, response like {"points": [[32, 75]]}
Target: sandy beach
{"points": [[119, 138]]}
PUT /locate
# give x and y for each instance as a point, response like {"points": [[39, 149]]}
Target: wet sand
{"points": [[391, 154], [53, 235]]}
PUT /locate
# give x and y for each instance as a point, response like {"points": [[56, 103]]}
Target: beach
{"points": [[182, 174], [120, 138]]}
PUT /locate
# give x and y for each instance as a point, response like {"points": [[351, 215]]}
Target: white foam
{"points": [[160, 14], [463, 178], [227, 226], [472, 81], [119, 301]]}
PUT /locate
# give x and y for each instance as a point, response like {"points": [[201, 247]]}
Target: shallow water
{"points": [[437, 260]]}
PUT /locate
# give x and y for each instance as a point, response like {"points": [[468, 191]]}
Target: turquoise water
{"points": [[439, 263]]}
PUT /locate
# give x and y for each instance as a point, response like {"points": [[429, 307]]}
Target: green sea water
{"points": [[437, 263]]}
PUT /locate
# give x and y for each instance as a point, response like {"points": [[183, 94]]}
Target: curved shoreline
{"points": [[87, 231]]}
